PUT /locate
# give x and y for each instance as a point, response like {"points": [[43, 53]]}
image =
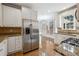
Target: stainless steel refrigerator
{"points": [[30, 37]]}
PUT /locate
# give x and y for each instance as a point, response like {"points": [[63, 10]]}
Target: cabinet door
{"points": [[18, 43], [11, 44], [26, 13], [0, 14], [34, 15], [11, 16], [19, 22], [3, 48]]}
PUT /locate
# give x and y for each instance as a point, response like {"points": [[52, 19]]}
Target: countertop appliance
{"points": [[30, 38], [69, 47]]}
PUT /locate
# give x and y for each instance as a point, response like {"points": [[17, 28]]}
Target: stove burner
{"points": [[72, 41]]}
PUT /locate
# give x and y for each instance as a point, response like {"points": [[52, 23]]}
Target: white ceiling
{"points": [[47, 8]]}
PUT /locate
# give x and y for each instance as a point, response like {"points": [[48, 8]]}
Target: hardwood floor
{"points": [[31, 53], [46, 48]]}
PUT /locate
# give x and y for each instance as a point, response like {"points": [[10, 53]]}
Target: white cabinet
{"points": [[29, 13], [19, 23], [11, 44], [0, 14], [14, 43], [34, 15], [26, 13], [18, 43], [11, 16], [3, 48]]}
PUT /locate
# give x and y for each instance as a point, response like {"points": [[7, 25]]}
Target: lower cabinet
{"points": [[11, 44], [3, 48], [14, 44], [19, 43]]}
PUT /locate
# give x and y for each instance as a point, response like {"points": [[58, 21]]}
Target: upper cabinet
{"points": [[34, 15], [11, 17], [28, 13], [1, 15]]}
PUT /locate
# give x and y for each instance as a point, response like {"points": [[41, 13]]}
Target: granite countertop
{"points": [[3, 37], [60, 50]]}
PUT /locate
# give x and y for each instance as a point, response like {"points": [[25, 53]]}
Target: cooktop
{"points": [[72, 41]]}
